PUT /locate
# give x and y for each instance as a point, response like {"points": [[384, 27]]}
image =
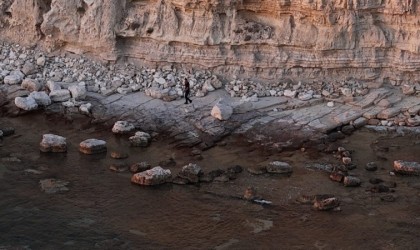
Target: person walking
{"points": [[187, 91]]}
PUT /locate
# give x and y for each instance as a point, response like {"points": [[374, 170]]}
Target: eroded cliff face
{"points": [[309, 40]]}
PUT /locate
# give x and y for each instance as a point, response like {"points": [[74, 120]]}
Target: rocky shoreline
{"points": [[282, 116]]}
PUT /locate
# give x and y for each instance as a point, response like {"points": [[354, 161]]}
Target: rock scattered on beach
{"points": [[154, 176], [53, 143], [122, 127], [406, 167], [92, 146], [140, 139]]}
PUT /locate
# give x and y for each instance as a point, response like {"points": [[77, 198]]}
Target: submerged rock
{"points": [[139, 167], [118, 155], [325, 202], [52, 186], [406, 167], [278, 167], [191, 173], [154, 176], [351, 181], [53, 143], [92, 146]]}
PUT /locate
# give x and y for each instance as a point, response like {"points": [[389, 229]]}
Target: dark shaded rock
{"points": [[118, 167], [168, 163], [257, 170], [251, 194], [334, 136], [139, 167], [52, 186], [222, 178], [337, 176], [191, 172], [406, 167], [347, 129], [351, 166], [351, 181], [375, 180], [371, 166], [278, 167], [180, 181], [235, 169], [118, 155], [8, 131], [388, 198], [379, 188], [325, 202]]}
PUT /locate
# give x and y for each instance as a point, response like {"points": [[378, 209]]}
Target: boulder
{"points": [[154, 92], [52, 86], [78, 92], [351, 181], [40, 61], [278, 167], [29, 68], [31, 85], [26, 103], [13, 79], [140, 139], [53, 143], [191, 173], [61, 95], [41, 98], [92, 146], [154, 176], [85, 108], [222, 111], [371, 166], [406, 167], [325, 202], [122, 127], [118, 155]]}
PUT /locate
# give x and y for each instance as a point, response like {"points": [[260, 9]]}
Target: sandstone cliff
{"points": [[309, 40]]}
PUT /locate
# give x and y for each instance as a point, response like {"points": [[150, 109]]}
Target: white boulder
{"points": [[31, 85], [222, 111], [41, 98], [140, 139], [78, 92], [60, 95], [154, 176], [26, 103], [53, 143], [92, 146], [122, 127]]}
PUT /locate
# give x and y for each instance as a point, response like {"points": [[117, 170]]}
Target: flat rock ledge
{"points": [[53, 143], [92, 146], [405, 167]]}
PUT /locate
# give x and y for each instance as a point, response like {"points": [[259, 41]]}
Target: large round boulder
{"points": [[53, 143], [222, 111]]}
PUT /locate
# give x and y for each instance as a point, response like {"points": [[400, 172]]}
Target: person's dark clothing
{"points": [[187, 91]]}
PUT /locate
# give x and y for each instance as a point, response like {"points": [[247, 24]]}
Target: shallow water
{"points": [[103, 210]]}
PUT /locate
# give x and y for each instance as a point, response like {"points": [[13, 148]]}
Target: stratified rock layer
{"points": [[364, 39]]}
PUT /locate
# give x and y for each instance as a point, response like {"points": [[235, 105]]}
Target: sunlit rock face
{"points": [[309, 40]]}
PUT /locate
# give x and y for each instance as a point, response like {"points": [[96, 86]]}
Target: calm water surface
{"points": [[103, 210]]}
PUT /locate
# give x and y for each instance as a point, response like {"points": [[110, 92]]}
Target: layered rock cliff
{"points": [[308, 40]]}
